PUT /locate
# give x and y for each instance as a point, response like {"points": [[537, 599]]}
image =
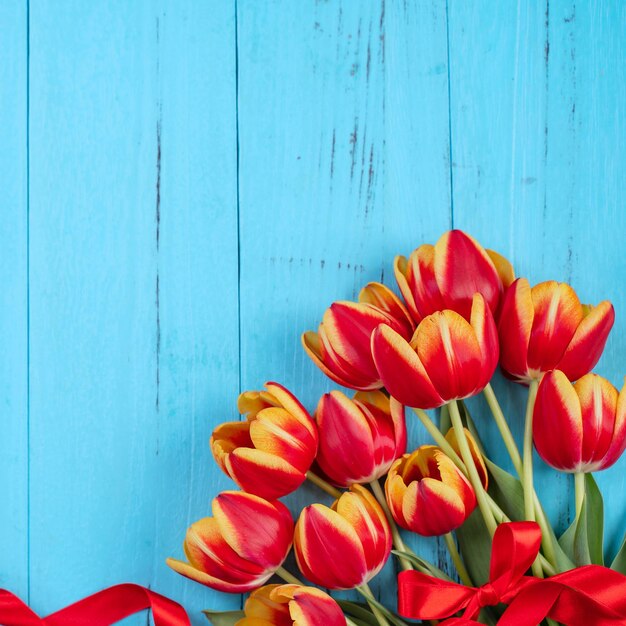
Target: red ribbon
{"points": [[585, 596], [101, 609]]}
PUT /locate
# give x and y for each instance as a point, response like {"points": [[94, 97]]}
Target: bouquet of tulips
{"points": [[462, 312]]}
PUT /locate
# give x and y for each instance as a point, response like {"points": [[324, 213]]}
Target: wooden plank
{"points": [[198, 278], [343, 146], [14, 309], [537, 101], [133, 240]]}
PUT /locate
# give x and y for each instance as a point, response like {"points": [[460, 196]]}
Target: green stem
{"points": [[503, 427], [474, 478], [527, 473], [511, 446], [395, 533], [288, 577], [456, 559], [579, 491], [438, 437], [366, 592], [322, 484]]}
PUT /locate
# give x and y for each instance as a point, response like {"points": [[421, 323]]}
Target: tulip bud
{"points": [[240, 547], [546, 328], [448, 274], [427, 493], [360, 438], [448, 357], [287, 605], [579, 427], [268, 454], [341, 347], [479, 461], [344, 546]]}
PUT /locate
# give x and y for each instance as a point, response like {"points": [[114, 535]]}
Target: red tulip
{"points": [[546, 328], [579, 427], [448, 357], [360, 438], [289, 605], [344, 546], [240, 547], [270, 453], [427, 493], [448, 274], [341, 347]]}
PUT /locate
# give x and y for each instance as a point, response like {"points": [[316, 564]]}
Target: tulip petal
{"points": [[278, 432], [557, 314], [313, 607], [487, 336], [558, 423], [340, 421], [422, 280], [503, 266], [383, 298], [618, 442], [401, 370], [261, 606], [433, 508], [448, 348], [291, 404], [400, 269], [187, 570], [263, 474], [463, 268], [395, 491], [598, 402], [587, 344], [258, 530], [514, 329], [226, 438], [328, 550]]}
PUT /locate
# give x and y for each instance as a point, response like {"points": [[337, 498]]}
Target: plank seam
{"points": [[28, 494], [449, 119]]}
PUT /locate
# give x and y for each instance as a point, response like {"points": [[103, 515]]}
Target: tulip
{"points": [[343, 546], [289, 605], [427, 493], [448, 274], [359, 438], [580, 427], [546, 328], [240, 547], [341, 347], [479, 461], [447, 358], [269, 453]]}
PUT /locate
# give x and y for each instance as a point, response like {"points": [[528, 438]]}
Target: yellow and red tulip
{"points": [[289, 605], [546, 328], [343, 546], [269, 453], [240, 547], [341, 347], [479, 461], [579, 427], [359, 438], [427, 493], [448, 274], [448, 357]]}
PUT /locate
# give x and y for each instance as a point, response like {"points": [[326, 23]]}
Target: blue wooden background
{"points": [[187, 185]]}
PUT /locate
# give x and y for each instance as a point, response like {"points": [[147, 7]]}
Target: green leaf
{"points": [[422, 565], [619, 562], [583, 540], [357, 611], [223, 618], [506, 490], [475, 545]]}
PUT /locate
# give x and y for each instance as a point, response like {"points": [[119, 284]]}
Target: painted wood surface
{"points": [[186, 187]]}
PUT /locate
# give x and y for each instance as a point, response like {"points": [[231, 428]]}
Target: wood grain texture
{"points": [[14, 309], [205, 178]]}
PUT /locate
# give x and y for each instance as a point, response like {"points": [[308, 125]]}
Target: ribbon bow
{"points": [[101, 609], [515, 546], [586, 596]]}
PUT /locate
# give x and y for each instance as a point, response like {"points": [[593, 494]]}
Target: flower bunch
{"points": [[461, 312]]}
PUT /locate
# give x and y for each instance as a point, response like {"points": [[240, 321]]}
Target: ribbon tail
{"points": [[114, 604], [13, 612]]}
